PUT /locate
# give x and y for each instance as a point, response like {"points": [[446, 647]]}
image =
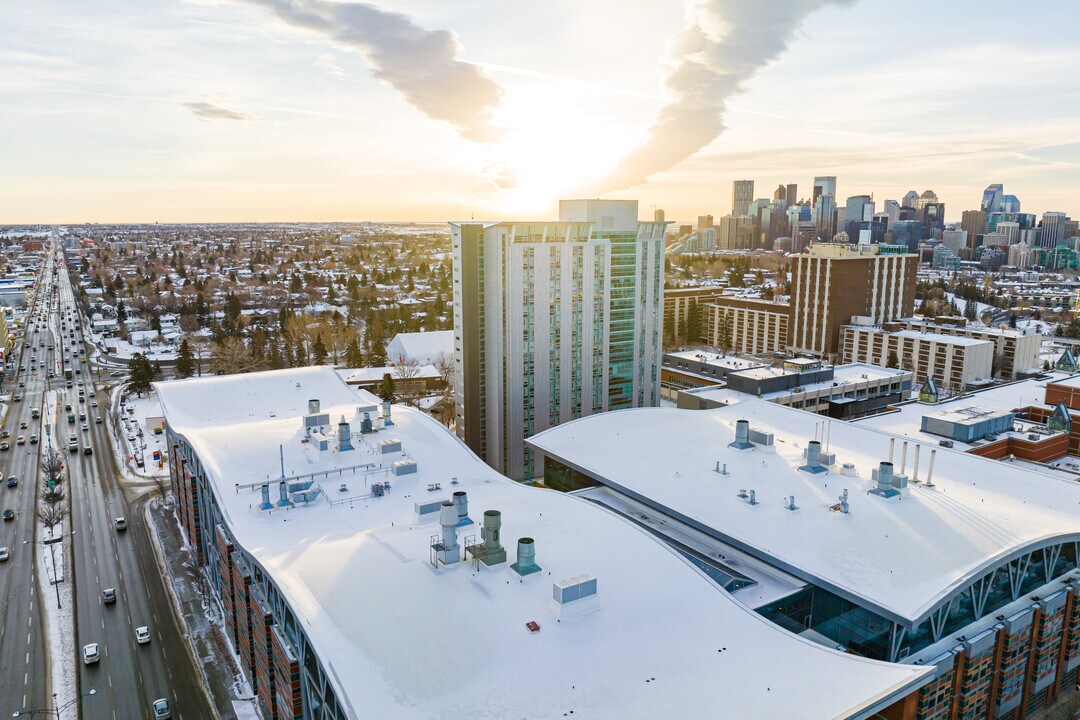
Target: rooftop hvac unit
{"points": [[444, 548], [813, 459], [489, 551], [574, 596], [742, 436], [886, 481]]}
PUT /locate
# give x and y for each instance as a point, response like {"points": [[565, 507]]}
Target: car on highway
{"points": [[120, 523], [12, 481], [5, 433], [116, 373], [18, 397], [23, 425], [91, 653], [142, 635], [85, 427], [108, 596], [161, 709], [9, 515], [21, 440], [88, 450], [97, 419], [5, 554], [33, 439], [4, 446]]}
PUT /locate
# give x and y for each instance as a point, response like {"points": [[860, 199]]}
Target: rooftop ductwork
{"points": [[283, 494], [813, 459], [526, 557], [365, 424], [885, 481], [742, 436], [387, 421], [266, 504]]}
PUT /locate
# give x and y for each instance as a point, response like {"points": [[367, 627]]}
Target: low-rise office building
{"points": [[886, 548], [371, 566]]}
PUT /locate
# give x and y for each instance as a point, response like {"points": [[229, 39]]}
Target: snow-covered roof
{"points": [[902, 556], [363, 376], [424, 347], [407, 640]]}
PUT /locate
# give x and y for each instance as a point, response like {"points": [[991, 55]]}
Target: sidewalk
{"points": [[200, 617]]}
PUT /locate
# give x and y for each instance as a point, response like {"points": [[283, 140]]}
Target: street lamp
{"points": [[54, 711], [52, 553]]}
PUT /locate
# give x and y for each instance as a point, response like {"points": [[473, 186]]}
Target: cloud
{"points": [[209, 112], [420, 64], [723, 45]]}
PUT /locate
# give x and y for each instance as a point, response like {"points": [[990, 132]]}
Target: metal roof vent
{"points": [[461, 502], [790, 505], [526, 557], [753, 498], [742, 436], [842, 506], [387, 422], [445, 548], [721, 470], [883, 476], [283, 494], [848, 469], [344, 435], [313, 406], [365, 424], [266, 504], [813, 459], [489, 552]]}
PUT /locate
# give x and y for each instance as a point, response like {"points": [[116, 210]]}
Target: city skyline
{"points": [[277, 110]]}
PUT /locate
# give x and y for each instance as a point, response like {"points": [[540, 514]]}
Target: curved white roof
{"points": [[903, 556], [405, 640]]}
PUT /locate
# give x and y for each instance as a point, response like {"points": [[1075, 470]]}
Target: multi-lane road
{"points": [[129, 675]]}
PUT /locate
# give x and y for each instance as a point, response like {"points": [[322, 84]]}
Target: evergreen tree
{"points": [[354, 357], [318, 351], [387, 390], [693, 322], [185, 360], [893, 361], [140, 374]]}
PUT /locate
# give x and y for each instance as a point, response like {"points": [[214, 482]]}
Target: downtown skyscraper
{"points": [[553, 321]]}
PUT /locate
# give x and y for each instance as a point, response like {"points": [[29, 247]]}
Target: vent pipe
{"points": [[266, 504], [930, 471], [526, 557], [844, 503], [490, 531], [450, 552], [365, 424], [344, 435], [742, 435], [461, 502], [892, 443], [903, 458], [915, 476], [791, 503], [885, 476], [828, 436], [283, 494], [753, 498], [387, 422], [313, 406]]}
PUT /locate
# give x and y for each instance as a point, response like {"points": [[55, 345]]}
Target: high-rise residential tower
{"points": [[992, 199], [553, 321], [742, 194], [1052, 229]]}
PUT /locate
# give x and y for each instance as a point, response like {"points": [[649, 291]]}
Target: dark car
{"points": [[9, 514], [88, 450]]}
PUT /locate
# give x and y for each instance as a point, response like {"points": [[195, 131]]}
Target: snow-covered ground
{"points": [[59, 622]]}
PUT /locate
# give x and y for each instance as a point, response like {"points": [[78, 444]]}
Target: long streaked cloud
{"points": [[209, 112], [420, 64], [723, 45]]}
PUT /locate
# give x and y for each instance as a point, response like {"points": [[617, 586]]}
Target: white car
{"points": [[142, 635], [161, 709], [90, 653], [5, 554]]}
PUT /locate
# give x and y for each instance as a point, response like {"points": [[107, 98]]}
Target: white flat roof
{"points": [[728, 362], [901, 556], [940, 338], [405, 640]]}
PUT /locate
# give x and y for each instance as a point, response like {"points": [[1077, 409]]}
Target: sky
{"points": [[428, 110]]}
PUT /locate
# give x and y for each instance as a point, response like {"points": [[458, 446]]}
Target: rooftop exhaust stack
{"points": [[526, 557], [365, 424], [930, 470], [844, 508], [344, 435], [742, 436], [387, 422], [447, 550], [489, 552], [813, 459], [791, 503], [313, 406], [885, 480], [461, 502], [283, 494], [266, 504]]}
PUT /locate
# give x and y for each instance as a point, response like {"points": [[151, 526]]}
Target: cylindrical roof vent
{"points": [[313, 406], [526, 552], [813, 454], [461, 502], [490, 531], [885, 475], [742, 435]]}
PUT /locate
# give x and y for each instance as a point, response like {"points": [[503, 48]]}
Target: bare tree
{"points": [[51, 514], [407, 370], [161, 488], [232, 355], [52, 466]]}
